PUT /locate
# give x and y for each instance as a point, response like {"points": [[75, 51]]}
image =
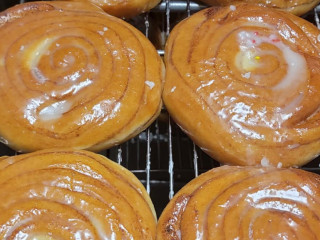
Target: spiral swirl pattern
{"points": [[243, 82], [77, 78], [126, 9], [297, 7], [245, 203], [66, 194]]}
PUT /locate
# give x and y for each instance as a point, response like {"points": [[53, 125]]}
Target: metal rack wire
{"points": [[162, 156], [183, 168]]}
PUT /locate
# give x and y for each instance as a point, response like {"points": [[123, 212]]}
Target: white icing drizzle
{"points": [[265, 162], [77, 87], [100, 228], [73, 77], [233, 7], [18, 222], [297, 69], [173, 89], [296, 64], [31, 109], [247, 132], [205, 84], [246, 75], [69, 59], [150, 84], [290, 193], [245, 60], [249, 58], [74, 88], [103, 109], [37, 51], [293, 146], [318, 38], [55, 110], [38, 75], [32, 56], [280, 206]]}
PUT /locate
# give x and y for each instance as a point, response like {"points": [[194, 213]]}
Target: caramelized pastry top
{"points": [[71, 75], [126, 9], [243, 82], [245, 203], [297, 7], [67, 194]]}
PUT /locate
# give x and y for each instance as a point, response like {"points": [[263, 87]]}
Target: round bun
{"points": [[125, 9], [244, 83], [67, 194], [297, 7], [245, 203], [78, 78]]}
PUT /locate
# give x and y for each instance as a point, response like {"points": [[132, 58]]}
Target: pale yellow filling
{"points": [[246, 61], [34, 52]]}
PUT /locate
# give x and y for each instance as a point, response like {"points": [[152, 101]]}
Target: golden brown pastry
{"points": [[297, 7], [123, 8], [66, 194], [244, 84], [245, 203], [76, 78]]}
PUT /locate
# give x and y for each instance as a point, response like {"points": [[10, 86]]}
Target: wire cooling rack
{"points": [[163, 157]]}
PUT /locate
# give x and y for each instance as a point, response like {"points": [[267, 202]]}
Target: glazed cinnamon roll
{"points": [[244, 203], [66, 194], [125, 9], [297, 7], [243, 83], [76, 78]]}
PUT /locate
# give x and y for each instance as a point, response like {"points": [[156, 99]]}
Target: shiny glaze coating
{"points": [[123, 8], [245, 203], [67, 194], [78, 78], [244, 83], [297, 7]]}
